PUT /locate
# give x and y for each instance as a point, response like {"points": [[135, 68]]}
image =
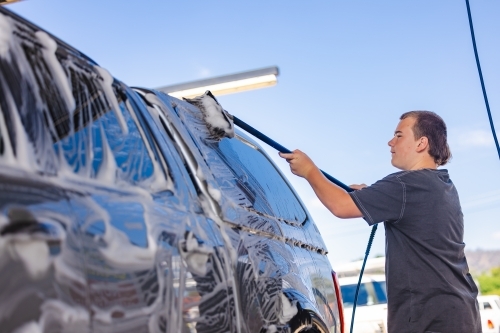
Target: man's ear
{"points": [[422, 144]]}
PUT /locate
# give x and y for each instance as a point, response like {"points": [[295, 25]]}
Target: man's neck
{"points": [[424, 164]]}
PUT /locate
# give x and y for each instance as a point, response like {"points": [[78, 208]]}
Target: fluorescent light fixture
{"points": [[227, 84]]}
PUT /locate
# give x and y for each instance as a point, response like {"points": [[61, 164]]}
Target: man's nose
{"points": [[390, 142]]}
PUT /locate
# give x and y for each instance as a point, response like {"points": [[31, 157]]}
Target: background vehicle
{"points": [[119, 212], [489, 307], [371, 309]]}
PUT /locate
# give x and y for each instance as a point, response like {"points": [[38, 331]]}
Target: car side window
{"points": [[255, 175], [370, 293], [108, 143], [133, 163], [487, 306], [348, 294], [103, 147]]}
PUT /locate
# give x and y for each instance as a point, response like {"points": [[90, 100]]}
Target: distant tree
{"points": [[489, 283]]}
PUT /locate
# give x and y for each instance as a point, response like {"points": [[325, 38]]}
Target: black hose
{"points": [[368, 247], [481, 78]]}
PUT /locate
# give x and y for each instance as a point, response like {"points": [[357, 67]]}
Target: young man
{"points": [[429, 287]]}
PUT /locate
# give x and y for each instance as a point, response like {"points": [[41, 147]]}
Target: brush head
{"points": [[219, 122]]}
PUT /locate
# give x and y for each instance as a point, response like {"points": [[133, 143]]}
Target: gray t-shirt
{"points": [[429, 287]]}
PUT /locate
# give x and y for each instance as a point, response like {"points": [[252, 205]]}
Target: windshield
{"points": [[370, 293]]}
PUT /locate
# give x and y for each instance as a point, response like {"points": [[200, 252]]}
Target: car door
{"points": [[153, 262], [212, 300]]}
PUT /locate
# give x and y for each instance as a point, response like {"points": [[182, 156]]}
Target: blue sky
{"points": [[348, 70]]}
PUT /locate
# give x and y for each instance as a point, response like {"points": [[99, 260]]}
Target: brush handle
{"points": [[261, 136]]}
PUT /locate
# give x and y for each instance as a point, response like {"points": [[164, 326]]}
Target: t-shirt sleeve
{"points": [[382, 201]]}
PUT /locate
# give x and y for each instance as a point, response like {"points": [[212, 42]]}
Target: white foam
{"points": [[288, 310], [34, 254], [152, 98], [11, 47], [272, 329], [31, 327], [25, 155], [215, 115], [195, 255], [5, 35], [107, 86], [108, 167], [63, 271], [119, 252], [199, 173], [55, 313], [214, 193], [8, 155], [31, 252], [60, 77]]}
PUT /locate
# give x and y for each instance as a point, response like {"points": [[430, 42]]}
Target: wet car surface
{"points": [[120, 213]]}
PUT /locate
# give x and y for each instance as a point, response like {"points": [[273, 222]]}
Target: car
{"points": [[119, 212], [371, 307], [489, 309]]}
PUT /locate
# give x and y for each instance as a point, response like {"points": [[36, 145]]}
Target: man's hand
{"points": [[357, 186], [333, 197], [300, 164]]}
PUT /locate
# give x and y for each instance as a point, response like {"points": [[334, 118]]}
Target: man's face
{"points": [[403, 145]]}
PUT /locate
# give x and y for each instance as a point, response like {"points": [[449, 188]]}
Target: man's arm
{"points": [[332, 196]]}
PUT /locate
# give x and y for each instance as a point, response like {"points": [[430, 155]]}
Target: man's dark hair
{"points": [[431, 126]]}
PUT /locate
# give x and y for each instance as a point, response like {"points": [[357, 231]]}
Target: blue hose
{"points": [[264, 138]]}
